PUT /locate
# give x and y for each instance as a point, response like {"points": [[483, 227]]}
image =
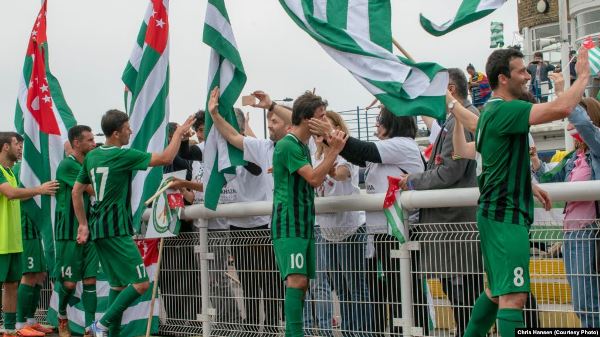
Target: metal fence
{"points": [[225, 283]]}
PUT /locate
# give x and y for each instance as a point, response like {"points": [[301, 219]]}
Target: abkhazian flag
{"points": [[393, 210], [146, 79], [497, 34], [357, 34], [594, 54], [43, 117], [227, 72], [134, 318], [469, 11], [431, 317]]}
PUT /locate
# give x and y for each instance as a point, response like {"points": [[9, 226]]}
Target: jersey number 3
{"points": [[103, 173]]}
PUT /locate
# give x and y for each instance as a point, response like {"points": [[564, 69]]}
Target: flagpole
{"points": [[402, 50], [564, 58], [155, 287], [405, 53]]}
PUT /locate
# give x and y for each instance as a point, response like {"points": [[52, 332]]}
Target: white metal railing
{"points": [[576, 191]]}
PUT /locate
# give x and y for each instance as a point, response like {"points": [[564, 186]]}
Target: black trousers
{"points": [[385, 288], [258, 273]]}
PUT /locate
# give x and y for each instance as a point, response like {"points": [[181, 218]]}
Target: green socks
{"points": [[293, 306], [10, 320], [24, 301], [482, 318], [89, 299], [64, 295], [35, 301], [509, 320], [112, 317]]}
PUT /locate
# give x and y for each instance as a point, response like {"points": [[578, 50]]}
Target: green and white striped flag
{"points": [[146, 78], [497, 34], [595, 61], [43, 117], [469, 11], [134, 318], [357, 35], [431, 317], [227, 72], [393, 210]]}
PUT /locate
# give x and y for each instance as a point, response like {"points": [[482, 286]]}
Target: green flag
{"points": [[43, 117], [357, 35], [469, 11], [146, 79], [227, 72], [497, 36]]}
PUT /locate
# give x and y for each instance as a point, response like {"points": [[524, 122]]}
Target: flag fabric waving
{"points": [[227, 72], [134, 318], [43, 117], [393, 210], [146, 79], [497, 34], [595, 61], [469, 11], [357, 35]]}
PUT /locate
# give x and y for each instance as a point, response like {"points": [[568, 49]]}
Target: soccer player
{"points": [[74, 262], [293, 204], [34, 271], [109, 169], [11, 241], [506, 202]]}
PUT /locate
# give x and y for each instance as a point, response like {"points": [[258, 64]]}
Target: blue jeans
{"points": [[346, 266], [582, 274]]}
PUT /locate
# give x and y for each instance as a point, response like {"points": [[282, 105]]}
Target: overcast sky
{"points": [[90, 43]]}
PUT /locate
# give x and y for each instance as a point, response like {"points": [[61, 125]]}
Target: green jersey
{"points": [[502, 142], [293, 197], [65, 221], [110, 170], [29, 229]]}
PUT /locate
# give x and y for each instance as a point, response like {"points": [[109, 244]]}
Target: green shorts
{"points": [[33, 259], [121, 261], [295, 256], [75, 262], [505, 250], [10, 267]]}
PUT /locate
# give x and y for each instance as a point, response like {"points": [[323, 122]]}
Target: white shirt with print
{"points": [[397, 154]]}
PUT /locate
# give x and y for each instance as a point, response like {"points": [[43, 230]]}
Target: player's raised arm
{"points": [[166, 157]]}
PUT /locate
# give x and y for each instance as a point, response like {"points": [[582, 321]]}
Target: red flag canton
{"points": [[157, 34], [390, 196], [39, 98]]}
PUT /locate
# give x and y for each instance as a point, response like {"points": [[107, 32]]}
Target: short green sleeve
{"points": [[293, 156], [2, 179], [84, 176], [135, 160], [67, 172], [512, 117]]}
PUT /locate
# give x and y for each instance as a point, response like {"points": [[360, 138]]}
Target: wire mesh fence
{"points": [[357, 289]]}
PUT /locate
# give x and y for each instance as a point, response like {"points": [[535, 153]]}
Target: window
{"points": [[588, 23]]}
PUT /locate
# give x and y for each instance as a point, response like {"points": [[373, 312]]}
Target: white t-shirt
{"points": [[397, 154], [246, 187], [339, 226], [197, 173], [228, 193], [260, 152]]}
